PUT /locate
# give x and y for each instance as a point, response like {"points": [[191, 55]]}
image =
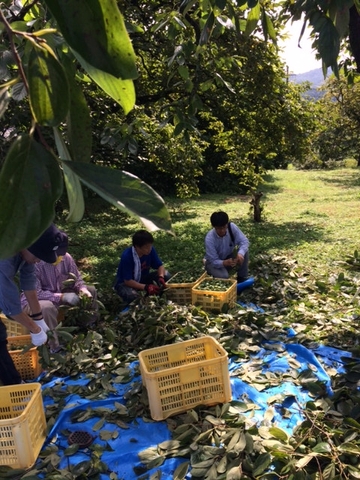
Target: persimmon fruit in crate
{"points": [[22, 424], [184, 375], [214, 294], [26, 362], [178, 290]]}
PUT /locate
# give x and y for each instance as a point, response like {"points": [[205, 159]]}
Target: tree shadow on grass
{"points": [[270, 236], [346, 179]]}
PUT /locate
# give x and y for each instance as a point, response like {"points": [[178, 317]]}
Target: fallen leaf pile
{"points": [[221, 442]]}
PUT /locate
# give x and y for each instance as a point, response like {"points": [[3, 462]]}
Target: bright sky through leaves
{"points": [[299, 60]]}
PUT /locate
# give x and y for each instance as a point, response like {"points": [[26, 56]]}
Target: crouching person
{"points": [[50, 244], [140, 269], [62, 284]]}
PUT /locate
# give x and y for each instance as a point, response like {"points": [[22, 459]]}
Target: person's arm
{"points": [[136, 285], [161, 271], [27, 322], [35, 324], [242, 241]]}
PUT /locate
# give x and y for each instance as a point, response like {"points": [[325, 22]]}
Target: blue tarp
{"points": [[141, 435]]}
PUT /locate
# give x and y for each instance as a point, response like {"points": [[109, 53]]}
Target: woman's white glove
{"points": [[38, 339], [70, 298], [86, 292], [41, 323]]}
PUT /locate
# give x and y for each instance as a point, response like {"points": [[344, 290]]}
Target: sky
{"points": [[299, 60]]}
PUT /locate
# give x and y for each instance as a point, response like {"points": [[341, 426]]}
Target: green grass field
{"points": [[307, 277], [310, 216]]}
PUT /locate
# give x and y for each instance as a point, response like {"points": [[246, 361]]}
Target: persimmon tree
{"points": [[48, 46], [51, 49]]}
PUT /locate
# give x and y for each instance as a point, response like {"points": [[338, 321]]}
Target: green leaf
{"points": [[234, 473], [329, 471], [126, 192], [350, 448], [72, 182], [71, 449], [30, 184], [252, 19], [181, 471], [99, 424], [4, 100], [261, 464], [268, 27], [206, 31], [95, 29], [279, 434], [322, 447], [79, 124], [81, 468], [329, 43], [122, 91], [48, 88]]}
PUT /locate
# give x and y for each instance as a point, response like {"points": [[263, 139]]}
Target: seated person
{"points": [[133, 274], [52, 292], [220, 243]]}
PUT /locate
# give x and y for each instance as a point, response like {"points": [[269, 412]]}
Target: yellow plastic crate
{"points": [[180, 293], [22, 425], [26, 363], [184, 375], [13, 328], [214, 301]]}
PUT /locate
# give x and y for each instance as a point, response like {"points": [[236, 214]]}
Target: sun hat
{"points": [[52, 244]]}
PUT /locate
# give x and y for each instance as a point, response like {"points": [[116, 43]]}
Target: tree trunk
{"points": [[354, 35], [255, 202]]}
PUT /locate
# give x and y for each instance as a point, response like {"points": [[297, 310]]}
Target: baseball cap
{"points": [[50, 245]]}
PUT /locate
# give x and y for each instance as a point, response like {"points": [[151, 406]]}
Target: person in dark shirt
{"points": [[140, 268]]}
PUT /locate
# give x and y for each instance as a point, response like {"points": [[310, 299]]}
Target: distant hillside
{"points": [[315, 77]]}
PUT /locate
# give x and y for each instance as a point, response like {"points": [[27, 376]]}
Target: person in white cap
{"points": [[49, 246]]}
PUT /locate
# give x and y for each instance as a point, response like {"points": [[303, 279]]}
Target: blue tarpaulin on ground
{"points": [[140, 435]]}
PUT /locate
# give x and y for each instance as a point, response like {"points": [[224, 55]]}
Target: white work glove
{"points": [[70, 298], [38, 339], [86, 292], [41, 323]]}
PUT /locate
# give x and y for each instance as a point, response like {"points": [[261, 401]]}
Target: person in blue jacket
{"points": [[140, 269]]}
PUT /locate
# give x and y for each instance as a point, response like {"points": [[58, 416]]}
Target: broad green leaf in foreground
{"points": [[72, 182], [78, 123], [48, 88], [126, 192], [4, 100], [122, 91], [96, 30], [30, 184]]}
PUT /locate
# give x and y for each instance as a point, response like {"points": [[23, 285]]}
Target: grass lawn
{"points": [[307, 277], [311, 217]]}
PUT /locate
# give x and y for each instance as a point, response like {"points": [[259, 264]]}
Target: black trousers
{"points": [[8, 373]]}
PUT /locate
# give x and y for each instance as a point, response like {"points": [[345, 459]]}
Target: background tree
{"points": [[338, 133], [52, 65]]}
